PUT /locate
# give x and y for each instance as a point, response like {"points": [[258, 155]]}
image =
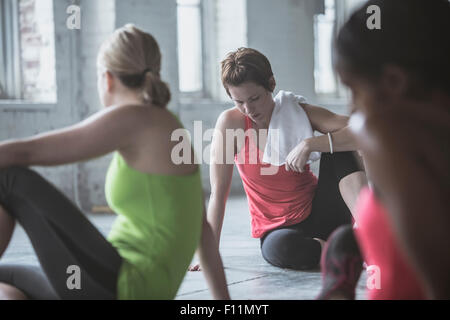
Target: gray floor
{"points": [[249, 276]]}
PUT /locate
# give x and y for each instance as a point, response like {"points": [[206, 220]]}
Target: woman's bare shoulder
{"points": [[231, 118]]}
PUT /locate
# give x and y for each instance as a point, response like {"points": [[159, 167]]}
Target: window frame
{"points": [[199, 94], [209, 51], [10, 67], [10, 70], [341, 94], [211, 85]]}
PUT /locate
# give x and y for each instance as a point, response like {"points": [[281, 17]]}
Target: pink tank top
{"points": [[281, 199], [396, 280]]}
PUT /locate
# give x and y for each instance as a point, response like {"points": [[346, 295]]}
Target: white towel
{"points": [[288, 127]]}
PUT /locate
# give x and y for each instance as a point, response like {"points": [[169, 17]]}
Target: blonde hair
{"points": [[134, 57]]}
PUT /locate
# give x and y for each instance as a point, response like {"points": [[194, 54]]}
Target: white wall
{"points": [[97, 23], [283, 31], [158, 17]]}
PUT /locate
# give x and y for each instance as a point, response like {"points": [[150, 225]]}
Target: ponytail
{"points": [[155, 91]]}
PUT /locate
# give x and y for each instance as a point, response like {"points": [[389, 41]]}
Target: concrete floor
{"points": [[249, 276]]}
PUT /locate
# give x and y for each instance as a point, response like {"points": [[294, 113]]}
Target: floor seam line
{"points": [[228, 284]]}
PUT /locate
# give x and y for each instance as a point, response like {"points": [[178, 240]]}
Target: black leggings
{"points": [[61, 236], [293, 246]]}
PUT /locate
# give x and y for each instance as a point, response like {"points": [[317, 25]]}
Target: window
{"points": [[27, 51], [325, 80], [207, 31], [231, 33], [335, 12], [190, 45]]}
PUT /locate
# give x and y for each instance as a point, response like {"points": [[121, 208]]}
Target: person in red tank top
{"points": [[399, 76], [393, 277], [292, 211]]}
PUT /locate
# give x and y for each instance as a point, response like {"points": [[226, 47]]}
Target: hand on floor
{"points": [[195, 267]]}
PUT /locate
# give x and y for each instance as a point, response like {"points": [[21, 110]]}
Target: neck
{"points": [[128, 98], [264, 122]]}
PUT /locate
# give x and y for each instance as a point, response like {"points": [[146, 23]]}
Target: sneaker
{"points": [[341, 264]]}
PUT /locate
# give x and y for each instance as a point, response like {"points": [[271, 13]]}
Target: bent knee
{"points": [[355, 179], [8, 292], [297, 254]]}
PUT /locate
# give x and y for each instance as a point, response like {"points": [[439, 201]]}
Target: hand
{"points": [[297, 158], [195, 267]]}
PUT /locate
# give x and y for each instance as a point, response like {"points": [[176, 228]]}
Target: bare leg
{"points": [[350, 187], [322, 242], [8, 292], [7, 224]]}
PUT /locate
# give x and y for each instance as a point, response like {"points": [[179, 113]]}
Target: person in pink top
{"points": [[292, 211], [399, 75]]}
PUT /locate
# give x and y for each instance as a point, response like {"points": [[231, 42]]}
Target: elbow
{"points": [[342, 121]]}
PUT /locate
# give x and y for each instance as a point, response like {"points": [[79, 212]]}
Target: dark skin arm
{"points": [[403, 164]]}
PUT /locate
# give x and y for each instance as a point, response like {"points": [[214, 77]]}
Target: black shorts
{"points": [[294, 246]]}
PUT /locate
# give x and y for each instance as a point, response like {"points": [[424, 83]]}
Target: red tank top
{"points": [[281, 199], [396, 278]]}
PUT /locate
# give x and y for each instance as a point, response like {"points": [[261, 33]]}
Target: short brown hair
{"points": [[246, 65]]}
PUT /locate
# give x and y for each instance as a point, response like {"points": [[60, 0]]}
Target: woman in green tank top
{"points": [[160, 205]]}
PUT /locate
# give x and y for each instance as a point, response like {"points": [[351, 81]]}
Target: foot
{"points": [[341, 265]]}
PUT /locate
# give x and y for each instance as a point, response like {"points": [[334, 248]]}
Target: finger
{"points": [[290, 166], [295, 166], [302, 164], [288, 160]]}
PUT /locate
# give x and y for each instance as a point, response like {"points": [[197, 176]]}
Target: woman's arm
{"points": [[325, 122], [108, 130], [220, 178], [222, 152], [212, 263], [342, 140]]}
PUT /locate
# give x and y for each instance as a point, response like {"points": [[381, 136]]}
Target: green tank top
{"points": [[157, 230]]}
